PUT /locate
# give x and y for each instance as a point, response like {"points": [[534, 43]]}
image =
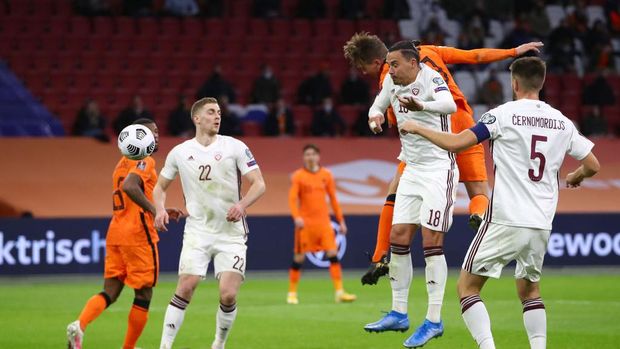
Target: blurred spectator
{"points": [[212, 8], [315, 88], [352, 9], [138, 8], [326, 121], [361, 125], [478, 17], [491, 92], [396, 9], [310, 9], [354, 90], [90, 122], [612, 8], [598, 46], [280, 120], [216, 85], [130, 114], [538, 19], [598, 92], [521, 34], [578, 19], [433, 34], [230, 125], [266, 8], [266, 87], [472, 38], [594, 124], [180, 122], [92, 7], [561, 48], [182, 8]]}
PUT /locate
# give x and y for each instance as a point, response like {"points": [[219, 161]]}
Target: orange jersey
{"points": [[306, 197], [437, 57], [130, 224]]}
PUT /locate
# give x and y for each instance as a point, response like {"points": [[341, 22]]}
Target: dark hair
{"points": [[408, 49], [311, 146], [530, 72], [143, 121]]}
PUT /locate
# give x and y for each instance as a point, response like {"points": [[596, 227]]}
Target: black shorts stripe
{"points": [[152, 245], [449, 202], [469, 258]]}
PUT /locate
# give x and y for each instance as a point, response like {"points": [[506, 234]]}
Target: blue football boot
{"points": [[427, 331], [392, 321]]}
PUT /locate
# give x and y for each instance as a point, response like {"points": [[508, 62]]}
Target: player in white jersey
{"points": [[426, 199], [211, 167], [529, 140]]}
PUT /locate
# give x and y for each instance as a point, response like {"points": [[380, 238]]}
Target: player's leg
{"points": [[143, 272], [114, 273], [294, 272], [527, 274], [193, 265], [229, 265], [473, 310], [335, 270], [472, 168], [378, 264]]}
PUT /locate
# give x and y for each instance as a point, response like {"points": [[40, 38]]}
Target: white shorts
{"points": [[227, 252], [426, 198], [496, 245]]}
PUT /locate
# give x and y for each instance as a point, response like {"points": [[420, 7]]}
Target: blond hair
{"points": [[363, 48], [197, 106]]}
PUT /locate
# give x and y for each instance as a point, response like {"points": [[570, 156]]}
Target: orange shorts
{"points": [[471, 162], [136, 266], [315, 238]]}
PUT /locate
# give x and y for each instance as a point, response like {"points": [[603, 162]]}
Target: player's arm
{"points": [[293, 202], [132, 186], [379, 106], [588, 168], [442, 103], [333, 199], [451, 55], [256, 190], [159, 199], [451, 142]]}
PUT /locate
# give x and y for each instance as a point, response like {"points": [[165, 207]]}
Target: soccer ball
{"points": [[136, 142]]}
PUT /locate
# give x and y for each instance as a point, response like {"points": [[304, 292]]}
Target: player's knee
{"points": [[186, 290], [228, 296], [142, 303], [296, 266], [530, 291], [299, 258], [333, 259], [108, 299], [398, 233], [145, 293]]}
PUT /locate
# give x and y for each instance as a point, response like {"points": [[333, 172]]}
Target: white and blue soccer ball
{"points": [[136, 142]]}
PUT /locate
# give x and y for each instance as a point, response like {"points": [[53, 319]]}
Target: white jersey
{"points": [[429, 88], [211, 181], [529, 140]]}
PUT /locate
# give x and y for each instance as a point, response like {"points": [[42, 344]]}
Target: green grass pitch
{"points": [[583, 311]]}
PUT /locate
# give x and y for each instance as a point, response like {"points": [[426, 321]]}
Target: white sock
{"points": [[401, 272], [224, 320], [477, 321], [175, 313], [436, 276], [535, 321]]}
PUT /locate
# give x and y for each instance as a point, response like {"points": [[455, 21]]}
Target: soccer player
{"points": [[427, 190], [529, 140], [367, 53], [313, 230], [211, 168], [131, 257]]}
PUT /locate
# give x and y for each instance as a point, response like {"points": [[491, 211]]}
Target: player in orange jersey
{"points": [[313, 230], [367, 53], [131, 258]]}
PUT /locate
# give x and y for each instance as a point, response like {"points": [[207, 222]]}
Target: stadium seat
{"points": [[303, 119], [251, 128], [192, 27], [324, 28], [215, 28], [236, 28], [125, 26], [280, 28], [368, 25], [170, 27], [103, 26], [349, 114], [595, 13], [259, 28], [148, 28], [302, 28], [80, 26]]}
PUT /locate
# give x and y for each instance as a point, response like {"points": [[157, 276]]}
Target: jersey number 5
{"points": [[537, 155]]}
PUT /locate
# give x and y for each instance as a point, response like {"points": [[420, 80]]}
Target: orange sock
{"points": [[138, 316], [93, 308], [335, 271], [385, 226], [294, 274], [478, 204]]}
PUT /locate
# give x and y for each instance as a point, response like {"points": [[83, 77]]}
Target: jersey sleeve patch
{"points": [[441, 88], [251, 163], [438, 81], [488, 118]]}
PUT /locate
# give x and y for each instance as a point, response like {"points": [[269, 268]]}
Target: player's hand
{"points": [[299, 223], [574, 179], [410, 103], [161, 219], [408, 126], [530, 46], [175, 213], [375, 122], [343, 228], [235, 213]]}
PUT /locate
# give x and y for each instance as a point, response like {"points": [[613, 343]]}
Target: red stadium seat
{"points": [[148, 28], [103, 26], [251, 128], [237, 28], [239, 9], [280, 28], [170, 27], [215, 28], [368, 25], [349, 114], [302, 115], [192, 27], [80, 26], [125, 26], [324, 28], [389, 26], [302, 28], [345, 28], [259, 28], [57, 26]]}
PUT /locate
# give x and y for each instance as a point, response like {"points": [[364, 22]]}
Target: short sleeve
{"points": [[579, 146], [439, 88], [171, 168], [488, 127], [245, 158], [143, 168]]}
